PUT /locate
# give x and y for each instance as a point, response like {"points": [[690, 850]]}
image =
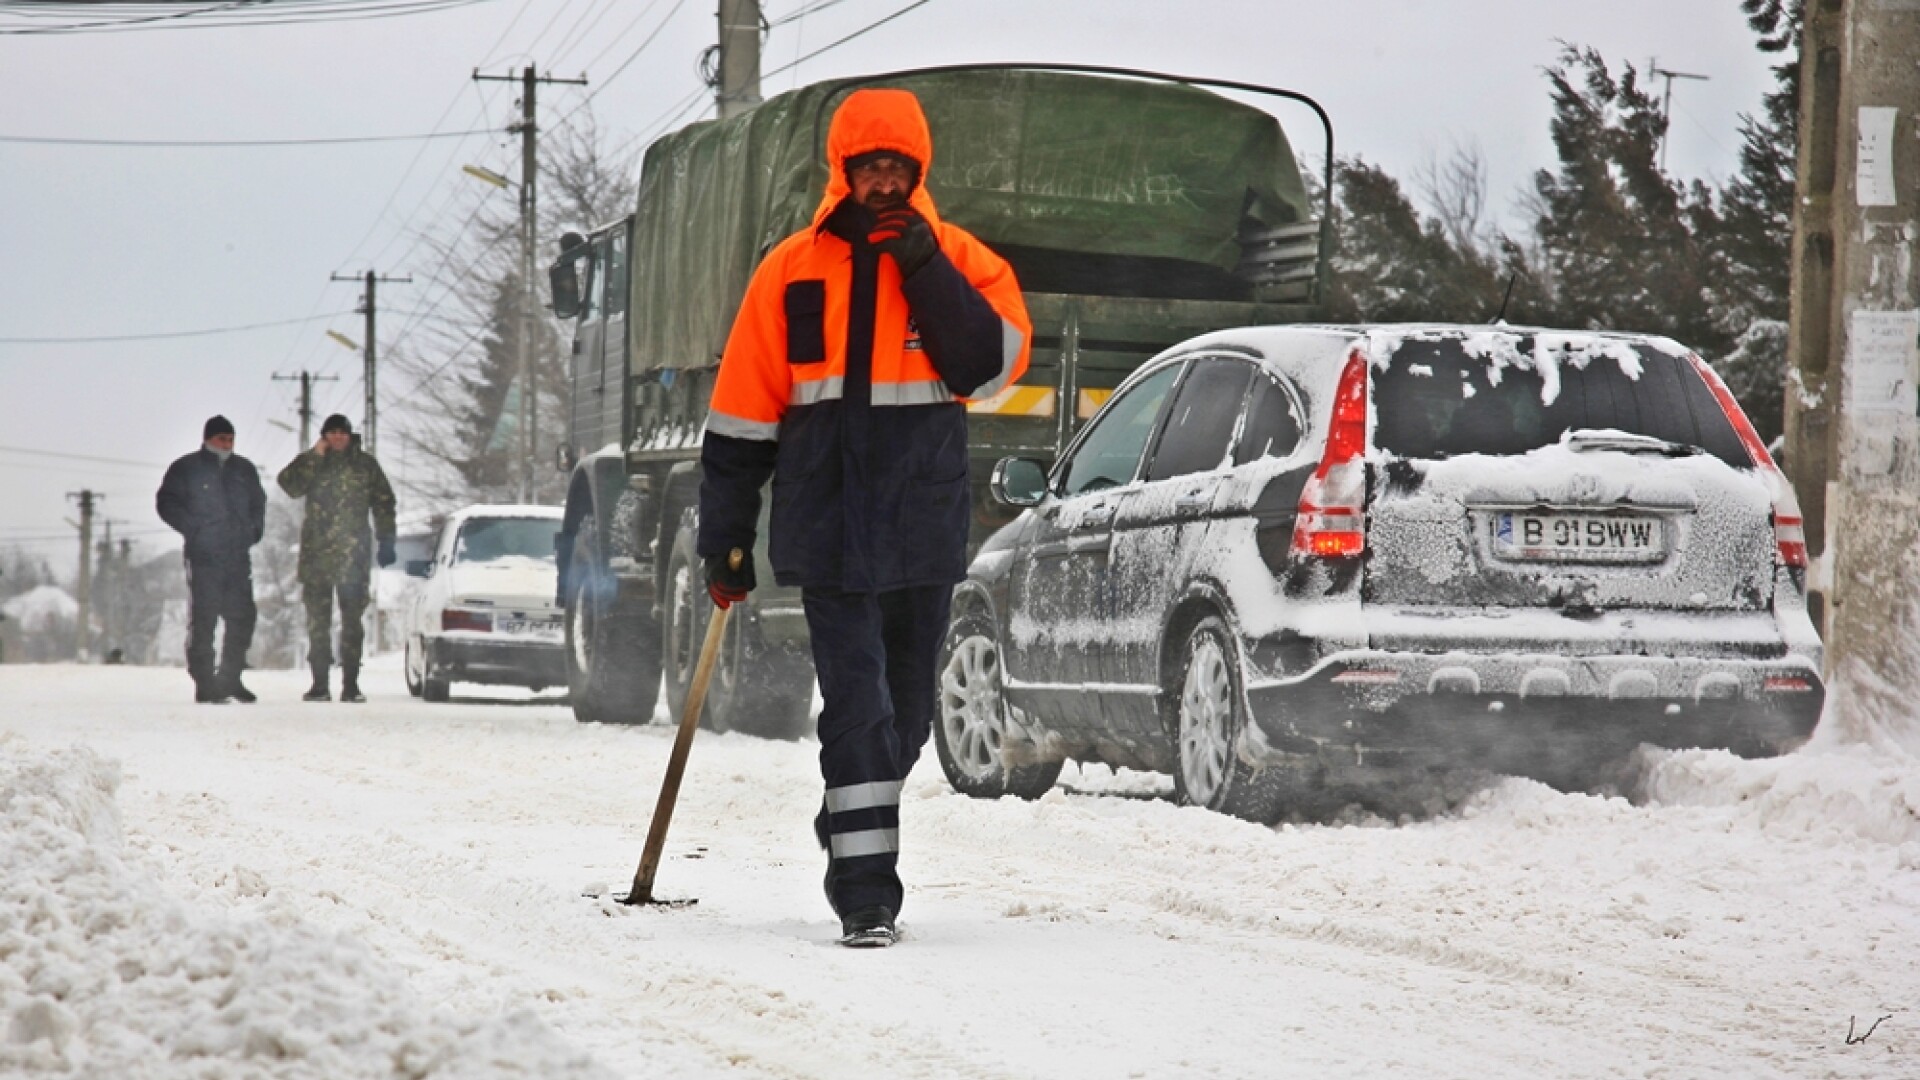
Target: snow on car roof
{"points": [[506, 510]]}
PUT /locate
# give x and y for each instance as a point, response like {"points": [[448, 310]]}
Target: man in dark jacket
{"points": [[845, 379], [213, 498], [342, 485]]}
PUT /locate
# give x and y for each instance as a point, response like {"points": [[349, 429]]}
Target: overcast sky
{"points": [[105, 242]]}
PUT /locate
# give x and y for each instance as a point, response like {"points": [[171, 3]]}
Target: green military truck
{"points": [[1137, 210]]}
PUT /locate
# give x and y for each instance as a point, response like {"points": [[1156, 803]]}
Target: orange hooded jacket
{"points": [[848, 383]]}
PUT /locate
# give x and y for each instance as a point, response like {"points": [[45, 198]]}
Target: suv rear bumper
{"points": [[1539, 716], [500, 661]]}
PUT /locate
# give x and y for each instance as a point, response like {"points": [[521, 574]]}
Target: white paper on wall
{"points": [[1873, 165]]}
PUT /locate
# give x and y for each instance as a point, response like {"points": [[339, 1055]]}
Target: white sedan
{"points": [[486, 611]]}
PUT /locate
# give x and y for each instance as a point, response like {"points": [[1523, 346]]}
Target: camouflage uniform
{"points": [[336, 547]]}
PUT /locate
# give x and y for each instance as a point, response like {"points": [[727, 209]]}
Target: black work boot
{"points": [[350, 685], [868, 928], [232, 687], [209, 690], [319, 691]]}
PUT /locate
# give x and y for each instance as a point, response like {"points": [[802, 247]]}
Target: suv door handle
{"points": [[1192, 500]]}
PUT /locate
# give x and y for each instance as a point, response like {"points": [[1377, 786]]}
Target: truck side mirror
{"points": [[419, 567], [564, 279], [1018, 482]]}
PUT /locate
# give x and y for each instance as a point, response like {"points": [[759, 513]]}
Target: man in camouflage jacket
{"points": [[342, 485]]}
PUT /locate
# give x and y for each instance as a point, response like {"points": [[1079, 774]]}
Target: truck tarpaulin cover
{"points": [[1045, 160]]}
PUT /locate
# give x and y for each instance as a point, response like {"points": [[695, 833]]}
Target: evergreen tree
{"points": [[1753, 246], [1617, 236], [484, 459], [1392, 265], [463, 407]]}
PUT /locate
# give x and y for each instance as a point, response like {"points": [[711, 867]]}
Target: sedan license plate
{"points": [[538, 628], [1548, 537]]}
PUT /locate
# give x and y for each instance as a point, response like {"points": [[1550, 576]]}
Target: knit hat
{"points": [[334, 423], [873, 156], [218, 425]]}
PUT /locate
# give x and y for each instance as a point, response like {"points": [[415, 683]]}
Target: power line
{"points": [[559, 12], [803, 11], [635, 55], [577, 33], [624, 31], [80, 457], [240, 13], [164, 334], [232, 143], [679, 109], [875, 25]]}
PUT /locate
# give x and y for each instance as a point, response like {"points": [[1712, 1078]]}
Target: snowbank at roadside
{"points": [[104, 973], [1840, 791]]}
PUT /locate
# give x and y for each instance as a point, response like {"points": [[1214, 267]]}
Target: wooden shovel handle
{"points": [[642, 892]]}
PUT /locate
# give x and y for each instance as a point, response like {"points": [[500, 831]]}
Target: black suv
{"points": [[1283, 554]]}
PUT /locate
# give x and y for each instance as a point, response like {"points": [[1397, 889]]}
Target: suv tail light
{"points": [[1789, 530], [456, 619], [1332, 521]]}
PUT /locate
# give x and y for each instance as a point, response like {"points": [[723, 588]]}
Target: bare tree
{"points": [[1454, 190], [458, 360]]}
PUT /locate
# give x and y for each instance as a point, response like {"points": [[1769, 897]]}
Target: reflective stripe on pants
{"points": [[875, 655]]}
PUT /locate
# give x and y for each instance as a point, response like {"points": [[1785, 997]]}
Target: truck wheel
{"points": [[757, 689], [613, 650], [972, 718], [1209, 712]]}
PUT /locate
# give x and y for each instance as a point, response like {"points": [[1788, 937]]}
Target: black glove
{"points": [[726, 584], [901, 232], [386, 555]]}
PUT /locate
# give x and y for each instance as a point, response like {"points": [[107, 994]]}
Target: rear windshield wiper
{"points": [[1625, 442]]}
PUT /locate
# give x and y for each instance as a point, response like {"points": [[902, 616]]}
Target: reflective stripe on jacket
{"points": [[848, 384]]}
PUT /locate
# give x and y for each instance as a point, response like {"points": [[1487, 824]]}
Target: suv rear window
{"points": [[1435, 401]]}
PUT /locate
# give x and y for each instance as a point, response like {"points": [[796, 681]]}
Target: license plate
{"points": [[1578, 537], [540, 628]]}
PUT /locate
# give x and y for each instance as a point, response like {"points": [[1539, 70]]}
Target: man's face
{"points": [[222, 443], [882, 183], [337, 440]]}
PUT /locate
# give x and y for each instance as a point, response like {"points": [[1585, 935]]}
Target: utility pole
{"points": [[529, 130], [370, 308], [1853, 353], [110, 581], [306, 380], [1666, 104], [737, 85], [86, 500]]}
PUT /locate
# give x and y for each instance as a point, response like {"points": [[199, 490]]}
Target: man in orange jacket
{"points": [[845, 379]]}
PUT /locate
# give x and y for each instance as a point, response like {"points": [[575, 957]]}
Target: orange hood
{"points": [[877, 119]]}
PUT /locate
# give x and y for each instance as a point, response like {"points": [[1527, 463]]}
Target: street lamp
{"points": [[345, 341], [486, 175]]}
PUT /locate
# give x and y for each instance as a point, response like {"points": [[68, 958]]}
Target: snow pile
{"points": [[1842, 795], [40, 609], [102, 973]]}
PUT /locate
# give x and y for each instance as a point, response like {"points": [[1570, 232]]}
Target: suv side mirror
{"points": [[419, 567], [1018, 481]]}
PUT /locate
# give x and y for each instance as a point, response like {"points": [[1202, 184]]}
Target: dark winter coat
{"points": [[336, 547], [218, 506]]}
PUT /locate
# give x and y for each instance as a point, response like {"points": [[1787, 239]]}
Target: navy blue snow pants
{"points": [[875, 655]]}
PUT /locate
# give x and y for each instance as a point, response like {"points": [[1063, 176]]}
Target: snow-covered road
{"points": [[396, 889]]}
